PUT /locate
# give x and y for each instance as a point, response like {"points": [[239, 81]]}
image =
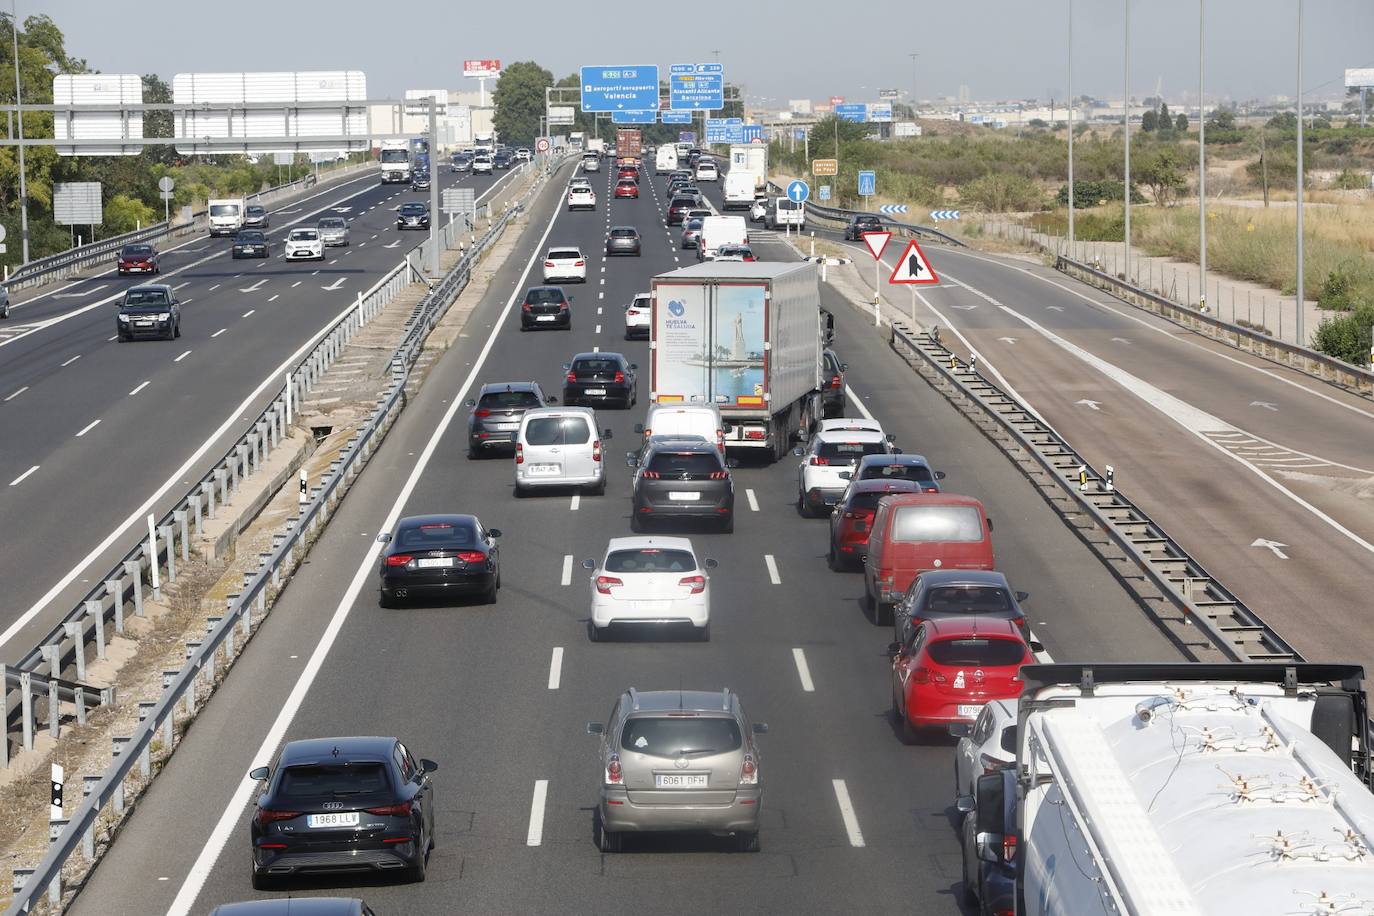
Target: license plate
{"points": [[144, 324], [340, 819], [547, 317], [434, 562], [969, 712], [506, 426], [681, 780], [684, 497], [595, 391], [543, 470]]}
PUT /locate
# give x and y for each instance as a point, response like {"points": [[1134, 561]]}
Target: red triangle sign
{"points": [[876, 242], [912, 267]]}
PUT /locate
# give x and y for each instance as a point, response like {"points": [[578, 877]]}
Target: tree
{"points": [[1149, 120], [1038, 123], [125, 214], [1164, 116], [519, 101], [1162, 172], [1285, 121], [1221, 119], [1181, 123]]}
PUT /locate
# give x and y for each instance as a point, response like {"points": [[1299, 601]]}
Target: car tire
{"points": [[607, 841], [597, 489], [124, 338], [747, 841], [521, 492], [832, 559], [416, 873], [636, 524], [594, 633], [728, 526], [803, 509], [177, 330], [489, 596], [882, 612], [969, 881]]}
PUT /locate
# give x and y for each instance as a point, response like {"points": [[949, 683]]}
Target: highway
{"points": [[100, 433], [854, 821]]}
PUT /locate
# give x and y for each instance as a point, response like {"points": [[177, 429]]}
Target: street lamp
{"points": [[1202, 157], [1126, 123], [19, 104], [1302, 299], [1069, 46]]}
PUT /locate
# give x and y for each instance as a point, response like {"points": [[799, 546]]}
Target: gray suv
{"points": [[496, 413], [334, 230], [679, 760]]}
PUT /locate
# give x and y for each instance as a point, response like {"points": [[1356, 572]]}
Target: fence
{"points": [[841, 215]]}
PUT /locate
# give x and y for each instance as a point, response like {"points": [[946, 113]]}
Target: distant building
{"points": [[799, 106]]}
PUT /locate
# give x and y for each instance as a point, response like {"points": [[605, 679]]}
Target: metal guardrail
{"points": [[841, 215], [157, 719], [1222, 619], [1305, 360]]}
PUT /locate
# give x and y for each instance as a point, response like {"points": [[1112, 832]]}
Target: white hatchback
{"points": [[707, 171], [581, 198], [984, 749], [637, 315], [565, 265], [829, 460], [304, 245], [650, 581], [559, 447]]}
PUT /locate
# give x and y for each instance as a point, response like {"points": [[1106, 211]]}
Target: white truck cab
{"points": [[226, 215]]}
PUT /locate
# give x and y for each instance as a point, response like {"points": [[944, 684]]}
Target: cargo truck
{"points": [[226, 215], [597, 145], [629, 143], [753, 159], [395, 157], [746, 337]]}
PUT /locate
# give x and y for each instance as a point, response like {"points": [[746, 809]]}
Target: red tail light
{"points": [[749, 771], [696, 583], [266, 817], [519, 453], [834, 381], [649, 475], [525, 307], [401, 810], [932, 490], [1009, 847], [818, 460], [619, 377], [398, 559], [920, 676], [613, 769], [631, 312], [885, 576], [596, 450], [719, 475], [861, 514], [604, 584], [550, 264], [572, 377], [481, 412], [472, 556], [580, 264]]}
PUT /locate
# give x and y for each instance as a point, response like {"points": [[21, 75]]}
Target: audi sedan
{"points": [[140, 258], [622, 240], [412, 216], [343, 804], [435, 556]]}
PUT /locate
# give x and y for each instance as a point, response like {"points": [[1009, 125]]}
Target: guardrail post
{"points": [[222, 480], [75, 634], [145, 759], [179, 517], [50, 654], [134, 570], [26, 708], [208, 489], [115, 589], [119, 744], [88, 784], [21, 877], [55, 828], [94, 611], [278, 539], [233, 462], [166, 532]]}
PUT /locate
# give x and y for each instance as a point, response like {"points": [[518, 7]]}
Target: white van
{"points": [[783, 212], [665, 160], [720, 230], [559, 447], [739, 190], [226, 215], [675, 419]]}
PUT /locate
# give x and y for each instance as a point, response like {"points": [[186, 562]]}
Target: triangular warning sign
{"points": [[912, 267], [876, 242]]}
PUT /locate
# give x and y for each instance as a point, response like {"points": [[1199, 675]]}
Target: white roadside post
{"points": [[152, 558], [55, 808], [305, 488]]}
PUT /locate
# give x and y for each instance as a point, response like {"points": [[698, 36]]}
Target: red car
{"points": [[139, 258], [853, 517], [628, 171], [627, 188], [949, 668]]}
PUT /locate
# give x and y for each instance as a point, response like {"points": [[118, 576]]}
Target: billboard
{"points": [[562, 114], [76, 203], [1361, 76], [97, 89], [482, 69], [281, 125]]}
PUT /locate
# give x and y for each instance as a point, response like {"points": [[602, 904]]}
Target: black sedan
{"points": [[343, 804], [431, 556], [861, 223], [149, 311], [604, 379], [139, 258], [496, 414], [250, 243], [622, 240], [412, 216], [958, 593]]}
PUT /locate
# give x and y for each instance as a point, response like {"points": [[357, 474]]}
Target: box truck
{"points": [[753, 159], [746, 337], [629, 143], [395, 157], [226, 215]]}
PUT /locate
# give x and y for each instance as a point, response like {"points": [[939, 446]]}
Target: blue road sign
{"points": [[799, 133], [717, 130], [625, 88], [798, 190], [856, 112], [675, 117], [634, 117], [686, 136], [751, 133], [823, 192], [880, 114], [868, 184], [696, 86]]}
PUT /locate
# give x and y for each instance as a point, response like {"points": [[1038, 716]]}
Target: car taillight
{"points": [[572, 377], [619, 377], [604, 584], [1019, 621], [266, 817], [398, 559], [613, 769], [400, 810], [580, 264], [525, 307], [859, 514], [632, 312], [1009, 847], [749, 771], [920, 676], [519, 453], [696, 583], [720, 475], [818, 460], [596, 450], [481, 412], [834, 381], [550, 264], [885, 576], [472, 556], [649, 475], [931, 490]]}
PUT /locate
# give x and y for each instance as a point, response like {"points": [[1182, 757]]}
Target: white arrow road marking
{"points": [[254, 287], [393, 244], [335, 285], [1124, 340], [1054, 308], [86, 292], [964, 308], [341, 209], [1092, 405], [1270, 545], [1010, 340], [1267, 405]]}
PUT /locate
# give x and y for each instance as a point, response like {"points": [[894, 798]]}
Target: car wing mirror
{"points": [[1009, 739], [709, 563], [891, 437], [427, 765], [846, 475], [551, 399], [732, 462], [844, 367], [589, 564], [606, 433], [798, 451], [727, 427], [939, 475], [989, 523], [1036, 645], [639, 428], [470, 402], [258, 773], [963, 804], [384, 538], [760, 728], [494, 532], [1022, 596], [567, 366], [634, 365], [894, 648], [595, 728]]}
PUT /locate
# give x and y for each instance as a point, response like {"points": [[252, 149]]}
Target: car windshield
{"points": [[564, 254], [649, 560], [436, 534], [680, 736], [413, 209], [314, 780], [252, 236], [505, 400], [257, 211], [937, 523], [137, 251], [849, 451], [673, 464], [544, 294], [596, 365], [624, 233], [976, 651], [954, 600], [304, 235], [735, 251], [146, 297], [224, 210], [917, 472]]}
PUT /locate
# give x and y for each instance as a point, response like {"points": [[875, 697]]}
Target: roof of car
{"points": [[905, 458], [883, 485], [933, 499], [490, 387], [972, 625], [290, 906], [146, 287], [309, 750], [545, 286], [625, 229], [565, 248], [642, 543], [850, 423], [720, 702], [988, 578], [562, 410]]}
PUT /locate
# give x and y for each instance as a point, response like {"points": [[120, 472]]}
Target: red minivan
{"points": [[919, 531]]}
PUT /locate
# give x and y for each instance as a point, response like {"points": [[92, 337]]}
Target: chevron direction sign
{"points": [[938, 215], [892, 209]]}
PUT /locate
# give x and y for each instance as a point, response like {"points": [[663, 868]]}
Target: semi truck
{"points": [[629, 143], [577, 140], [1181, 789], [395, 158], [747, 337]]}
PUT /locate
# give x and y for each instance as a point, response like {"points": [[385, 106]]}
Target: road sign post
{"points": [[797, 192], [876, 242], [165, 185]]}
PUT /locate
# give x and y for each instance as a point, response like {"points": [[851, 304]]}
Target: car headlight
{"points": [[123, 317], [163, 316]]}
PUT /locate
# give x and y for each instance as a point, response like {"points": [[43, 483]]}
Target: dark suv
{"points": [[677, 210], [861, 223], [600, 379], [496, 413], [546, 307], [149, 311], [343, 804], [682, 477]]}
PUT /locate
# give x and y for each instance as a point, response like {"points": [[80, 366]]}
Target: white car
{"points": [[707, 171], [482, 165], [829, 459], [581, 198], [523, 154], [304, 245], [650, 581], [591, 163], [565, 265], [758, 211], [637, 315], [984, 750]]}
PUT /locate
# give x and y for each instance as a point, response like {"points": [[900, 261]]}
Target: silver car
{"points": [[679, 760], [333, 231]]}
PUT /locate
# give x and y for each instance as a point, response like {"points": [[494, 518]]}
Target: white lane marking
{"points": [[140, 387], [228, 820], [249, 312], [851, 820], [213, 288], [596, 349], [598, 327], [20, 479], [535, 836], [556, 668], [180, 285], [803, 670], [753, 500], [576, 501], [297, 283], [114, 338], [772, 569], [89, 426], [217, 333], [70, 361], [182, 356], [567, 570], [17, 393], [274, 297]]}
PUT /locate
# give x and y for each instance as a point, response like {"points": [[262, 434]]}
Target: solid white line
{"points": [[228, 819], [249, 312], [217, 333], [17, 393], [20, 479], [753, 500], [90, 426], [772, 569], [213, 288], [576, 501], [141, 386], [851, 822], [556, 668], [182, 356], [70, 361], [803, 670], [567, 570], [535, 836]]}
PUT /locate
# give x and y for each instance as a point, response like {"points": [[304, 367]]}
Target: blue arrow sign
{"points": [[892, 209], [686, 136], [675, 117], [823, 192], [634, 117], [625, 88], [799, 133], [853, 112], [751, 132], [696, 86], [798, 190], [938, 215], [868, 184]]}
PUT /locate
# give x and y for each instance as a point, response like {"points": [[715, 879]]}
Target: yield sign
{"points": [[876, 242], [912, 267]]}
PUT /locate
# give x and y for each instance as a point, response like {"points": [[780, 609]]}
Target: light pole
{"points": [[19, 104], [1302, 299], [1070, 55], [913, 55], [1126, 123], [1202, 158]]}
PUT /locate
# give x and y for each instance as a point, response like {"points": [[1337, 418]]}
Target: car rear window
{"points": [[257, 211], [145, 297], [869, 500], [650, 559], [624, 233], [678, 463], [436, 534], [314, 780], [980, 651], [544, 294], [937, 523], [564, 255], [681, 736], [252, 235], [849, 451], [684, 202], [332, 222], [504, 400], [917, 472], [596, 365], [967, 599], [557, 431]]}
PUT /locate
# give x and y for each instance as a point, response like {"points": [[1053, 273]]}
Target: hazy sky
{"points": [[777, 50]]}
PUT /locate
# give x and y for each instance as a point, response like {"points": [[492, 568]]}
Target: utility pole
{"points": [[1202, 156], [913, 55], [433, 187], [1071, 201], [1302, 299], [1126, 123], [19, 104]]}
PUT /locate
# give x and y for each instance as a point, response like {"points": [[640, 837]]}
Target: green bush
{"points": [[1347, 337], [125, 214], [1092, 193], [999, 193], [1105, 225], [1351, 180], [1349, 286]]}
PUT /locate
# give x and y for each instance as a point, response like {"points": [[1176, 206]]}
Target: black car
{"points": [[149, 311], [343, 804], [546, 307], [502, 160], [412, 216], [256, 217], [295, 906], [431, 556], [605, 379], [958, 593], [419, 181], [677, 209], [496, 413], [682, 477], [622, 240], [861, 223], [250, 243], [833, 391]]}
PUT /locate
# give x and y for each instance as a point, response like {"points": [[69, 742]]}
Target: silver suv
{"points": [[679, 760], [333, 230]]}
